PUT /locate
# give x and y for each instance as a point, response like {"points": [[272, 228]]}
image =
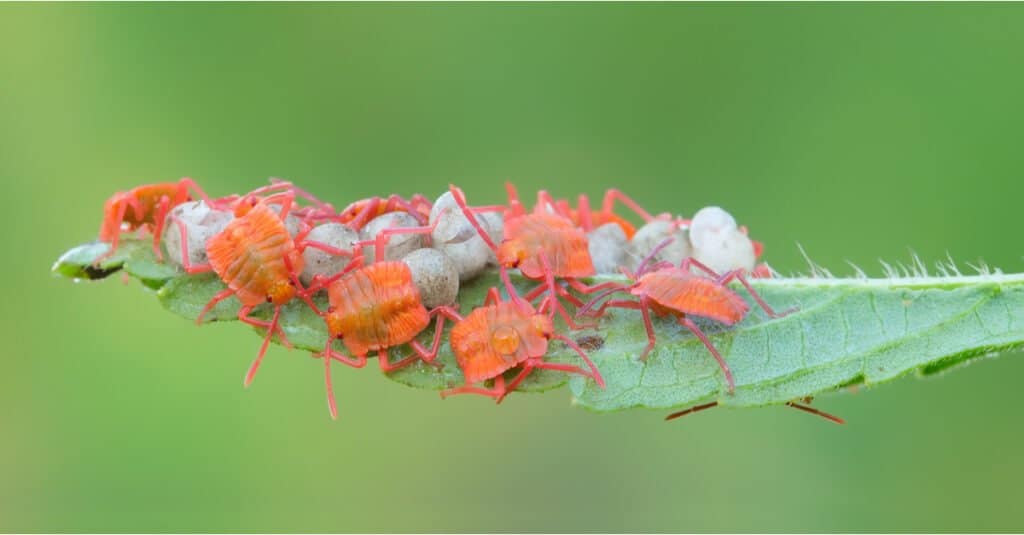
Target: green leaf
{"points": [[845, 332]]}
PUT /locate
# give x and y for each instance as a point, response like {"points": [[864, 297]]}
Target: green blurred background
{"points": [[858, 130]]}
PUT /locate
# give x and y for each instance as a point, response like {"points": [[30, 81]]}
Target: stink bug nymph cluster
{"points": [[392, 266]]}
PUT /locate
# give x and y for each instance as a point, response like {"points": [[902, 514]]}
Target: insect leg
{"points": [[251, 374], [113, 223], [441, 312], [222, 295], [185, 185], [645, 311], [497, 390], [691, 410], [388, 367], [738, 275], [162, 208], [689, 324], [493, 297], [584, 213], [186, 264], [612, 195], [812, 410], [328, 355], [363, 213], [553, 296], [594, 373], [528, 367]]}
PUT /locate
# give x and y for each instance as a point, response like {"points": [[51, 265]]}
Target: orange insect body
{"points": [[674, 290], [362, 211], [259, 262], [256, 257], [543, 245], [376, 307], [144, 206], [139, 207], [495, 338], [502, 335], [677, 292], [530, 237]]}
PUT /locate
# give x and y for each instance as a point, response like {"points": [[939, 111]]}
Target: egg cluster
{"points": [[391, 268]]}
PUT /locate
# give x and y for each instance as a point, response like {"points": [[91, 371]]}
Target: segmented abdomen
{"points": [[554, 236], [376, 307], [678, 291], [249, 253]]}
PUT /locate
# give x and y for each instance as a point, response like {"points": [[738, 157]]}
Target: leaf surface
{"points": [[845, 332]]}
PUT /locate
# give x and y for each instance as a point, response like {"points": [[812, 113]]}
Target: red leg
{"points": [[736, 274], [494, 392], [285, 200], [612, 195], [115, 235], [645, 312], [594, 373], [691, 410], [163, 207], [689, 324], [528, 367], [555, 303], [186, 264], [388, 367], [251, 374], [585, 309], [303, 194], [545, 202], [380, 242], [270, 326], [397, 202], [185, 185], [224, 294], [645, 266], [536, 292], [512, 293], [460, 200], [328, 355], [584, 213], [538, 364], [515, 207], [584, 288], [493, 297], [614, 303], [441, 312], [363, 213]]}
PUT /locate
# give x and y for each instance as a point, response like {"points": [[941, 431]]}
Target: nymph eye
{"points": [[270, 299]]}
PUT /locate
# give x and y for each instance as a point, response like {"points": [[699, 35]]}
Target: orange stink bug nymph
{"points": [[259, 262], [144, 207], [543, 246], [502, 335], [372, 309], [671, 290]]}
